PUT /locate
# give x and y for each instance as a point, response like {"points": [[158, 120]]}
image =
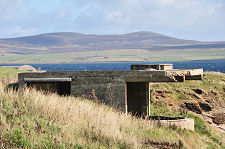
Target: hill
{"points": [[39, 120], [76, 47]]}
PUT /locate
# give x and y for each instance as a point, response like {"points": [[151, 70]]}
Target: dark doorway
{"points": [[61, 88], [137, 98]]}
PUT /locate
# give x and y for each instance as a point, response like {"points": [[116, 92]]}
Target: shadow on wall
{"points": [[61, 88]]}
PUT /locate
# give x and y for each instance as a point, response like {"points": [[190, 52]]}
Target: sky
{"points": [[202, 20]]}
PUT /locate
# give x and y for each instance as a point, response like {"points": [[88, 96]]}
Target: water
{"points": [[207, 65]]}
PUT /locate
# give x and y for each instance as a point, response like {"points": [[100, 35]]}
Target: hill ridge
{"points": [[60, 42]]}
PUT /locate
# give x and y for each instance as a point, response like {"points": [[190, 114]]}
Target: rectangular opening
{"points": [[61, 88], [180, 78], [154, 67], [137, 98]]}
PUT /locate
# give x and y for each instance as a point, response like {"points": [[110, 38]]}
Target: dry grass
{"points": [[80, 121], [37, 120], [82, 116]]}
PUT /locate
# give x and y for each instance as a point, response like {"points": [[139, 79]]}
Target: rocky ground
{"points": [[205, 100]]}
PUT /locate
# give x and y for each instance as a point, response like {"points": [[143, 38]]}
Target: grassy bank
{"points": [[37, 120], [210, 90], [9, 73]]}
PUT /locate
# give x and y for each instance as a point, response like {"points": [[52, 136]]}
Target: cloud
{"points": [[189, 19], [20, 31], [9, 9]]}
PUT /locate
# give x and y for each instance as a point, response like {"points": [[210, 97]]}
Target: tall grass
{"points": [[71, 119], [33, 119]]}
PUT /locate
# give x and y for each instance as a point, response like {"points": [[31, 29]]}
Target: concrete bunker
{"points": [[128, 90]]}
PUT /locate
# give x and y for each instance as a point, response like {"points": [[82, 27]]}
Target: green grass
{"points": [[179, 93], [9, 72], [35, 120], [159, 110], [212, 82], [118, 56], [213, 138]]}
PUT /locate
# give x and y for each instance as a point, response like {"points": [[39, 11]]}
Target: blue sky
{"points": [[202, 20]]}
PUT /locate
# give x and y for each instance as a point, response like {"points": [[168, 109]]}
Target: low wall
{"points": [[181, 122]]}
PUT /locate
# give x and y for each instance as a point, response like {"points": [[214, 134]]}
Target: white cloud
{"points": [[178, 17], [115, 16], [9, 10], [20, 31], [188, 19]]}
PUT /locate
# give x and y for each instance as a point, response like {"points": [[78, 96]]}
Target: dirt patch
{"points": [[205, 106], [219, 118], [193, 107], [198, 91], [194, 96], [161, 93], [213, 93]]}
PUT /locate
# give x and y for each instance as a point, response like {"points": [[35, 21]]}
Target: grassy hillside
{"points": [[37, 120], [76, 42], [205, 99], [211, 89], [75, 47]]}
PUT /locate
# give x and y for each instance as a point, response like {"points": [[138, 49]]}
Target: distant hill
{"points": [[74, 42]]}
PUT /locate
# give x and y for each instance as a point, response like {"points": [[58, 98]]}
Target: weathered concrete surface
{"points": [[152, 66], [186, 74], [109, 86], [179, 74], [181, 122], [47, 80], [186, 123]]}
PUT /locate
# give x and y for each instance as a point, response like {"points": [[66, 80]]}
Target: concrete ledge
{"points": [[186, 123], [189, 74], [181, 122], [27, 80]]}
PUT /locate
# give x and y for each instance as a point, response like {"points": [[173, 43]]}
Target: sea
{"points": [[207, 65]]}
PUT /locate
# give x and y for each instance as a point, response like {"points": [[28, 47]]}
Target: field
{"points": [[9, 73], [123, 55], [39, 120]]}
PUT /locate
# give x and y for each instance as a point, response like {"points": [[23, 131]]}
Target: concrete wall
{"points": [[116, 88], [108, 86], [153, 66]]}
